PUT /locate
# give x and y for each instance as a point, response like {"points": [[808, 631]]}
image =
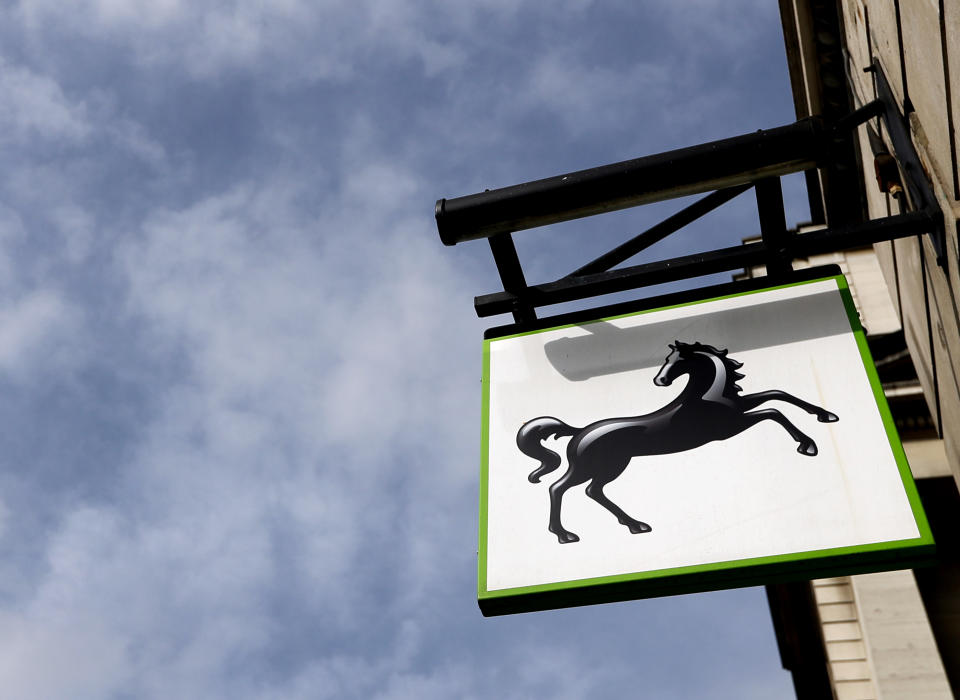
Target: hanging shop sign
{"points": [[722, 442]]}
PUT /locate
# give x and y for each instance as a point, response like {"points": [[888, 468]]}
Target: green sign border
{"points": [[879, 556]]}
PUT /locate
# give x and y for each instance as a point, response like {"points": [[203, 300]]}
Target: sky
{"points": [[241, 374]]}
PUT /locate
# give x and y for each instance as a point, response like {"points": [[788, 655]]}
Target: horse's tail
{"points": [[532, 434]]}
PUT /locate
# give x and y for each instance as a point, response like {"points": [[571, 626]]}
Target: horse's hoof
{"points": [[638, 528], [807, 448], [533, 478], [827, 417], [567, 537]]}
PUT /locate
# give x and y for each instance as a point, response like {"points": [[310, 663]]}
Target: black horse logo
{"points": [[709, 408]]}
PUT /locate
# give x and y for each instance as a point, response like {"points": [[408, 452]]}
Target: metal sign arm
{"points": [[729, 166], [706, 167]]}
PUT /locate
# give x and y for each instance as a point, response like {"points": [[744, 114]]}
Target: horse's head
{"points": [[682, 359], [673, 366]]}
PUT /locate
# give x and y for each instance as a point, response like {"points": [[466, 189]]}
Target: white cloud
{"points": [[33, 331], [312, 355], [162, 593], [71, 657], [586, 97], [35, 107], [293, 41], [206, 39]]}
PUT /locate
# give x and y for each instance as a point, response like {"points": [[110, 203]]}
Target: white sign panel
{"points": [[714, 444]]}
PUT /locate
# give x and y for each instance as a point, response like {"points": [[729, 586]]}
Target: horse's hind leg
{"points": [[753, 400], [595, 491], [557, 489], [805, 446]]}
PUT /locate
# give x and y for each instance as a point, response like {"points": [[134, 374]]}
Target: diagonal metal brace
{"points": [[511, 275], [658, 232]]}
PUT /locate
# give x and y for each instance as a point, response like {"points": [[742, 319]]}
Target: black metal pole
{"points": [[702, 168], [511, 274], [773, 226]]}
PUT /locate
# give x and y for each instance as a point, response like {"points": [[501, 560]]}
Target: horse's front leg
{"points": [[751, 401], [595, 491], [805, 444]]}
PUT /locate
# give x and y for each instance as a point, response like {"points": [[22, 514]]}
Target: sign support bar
{"points": [[699, 264], [725, 168]]}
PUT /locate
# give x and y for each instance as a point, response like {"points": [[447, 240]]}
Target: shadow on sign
{"points": [[609, 349]]}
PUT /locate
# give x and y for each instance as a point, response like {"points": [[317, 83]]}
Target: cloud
{"points": [[585, 96], [301, 399], [40, 112], [28, 327], [293, 40], [85, 658], [36, 108]]}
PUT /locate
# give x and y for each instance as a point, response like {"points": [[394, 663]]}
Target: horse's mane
{"points": [[729, 363]]}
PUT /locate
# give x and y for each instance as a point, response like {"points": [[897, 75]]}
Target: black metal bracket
{"points": [[919, 189], [725, 168], [700, 264]]}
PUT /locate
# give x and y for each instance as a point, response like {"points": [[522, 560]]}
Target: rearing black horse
{"points": [[709, 408]]}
